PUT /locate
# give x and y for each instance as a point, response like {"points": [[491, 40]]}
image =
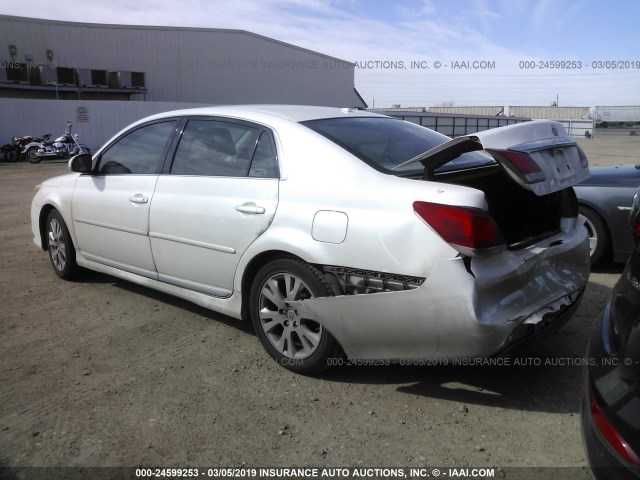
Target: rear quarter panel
{"points": [[383, 232]]}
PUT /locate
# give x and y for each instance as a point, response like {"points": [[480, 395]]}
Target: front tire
{"points": [[295, 341], [11, 156], [60, 247], [598, 235]]}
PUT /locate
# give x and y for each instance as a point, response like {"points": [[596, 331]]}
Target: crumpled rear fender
{"points": [[512, 284]]}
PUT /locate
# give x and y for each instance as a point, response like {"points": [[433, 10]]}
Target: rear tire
{"points": [[598, 234], [60, 247], [34, 158], [296, 342], [31, 155]]}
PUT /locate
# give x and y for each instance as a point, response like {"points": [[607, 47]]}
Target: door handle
{"points": [[139, 199], [251, 208]]}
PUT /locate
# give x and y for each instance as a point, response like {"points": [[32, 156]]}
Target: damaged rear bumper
{"points": [[473, 310]]}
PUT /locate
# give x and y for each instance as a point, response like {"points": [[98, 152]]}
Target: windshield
{"points": [[384, 143]]}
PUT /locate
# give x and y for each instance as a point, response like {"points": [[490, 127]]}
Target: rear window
{"points": [[384, 143]]}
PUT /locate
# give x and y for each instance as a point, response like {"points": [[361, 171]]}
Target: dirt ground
{"points": [[101, 372]]}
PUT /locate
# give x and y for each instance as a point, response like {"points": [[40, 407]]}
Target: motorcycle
{"points": [[23, 147], [8, 154], [62, 147]]}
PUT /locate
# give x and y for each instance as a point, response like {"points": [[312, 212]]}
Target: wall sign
{"points": [[82, 114]]}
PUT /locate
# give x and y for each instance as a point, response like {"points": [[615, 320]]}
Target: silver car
{"points": [[334, 231]]}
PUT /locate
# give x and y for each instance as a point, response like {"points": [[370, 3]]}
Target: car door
{"points": [[110, 207], [219, 195]]}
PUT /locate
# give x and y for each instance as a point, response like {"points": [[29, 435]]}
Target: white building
{"points": [[103, 77], [198, 65]]}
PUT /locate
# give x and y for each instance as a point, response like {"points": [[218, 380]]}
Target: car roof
{"points": [[294, 113]]}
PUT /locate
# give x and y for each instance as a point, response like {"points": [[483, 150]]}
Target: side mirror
{"points": [[81, 163]]}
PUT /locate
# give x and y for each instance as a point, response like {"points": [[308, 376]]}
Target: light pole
{"points": [[55, 84]]}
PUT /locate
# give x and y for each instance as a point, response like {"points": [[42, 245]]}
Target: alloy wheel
{"points": [[287, 330], [593, 234], [57, 246]]}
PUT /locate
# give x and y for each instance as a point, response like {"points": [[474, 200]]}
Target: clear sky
{"points": [[585, 52]]}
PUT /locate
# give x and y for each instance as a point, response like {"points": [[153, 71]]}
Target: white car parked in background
{"points": [[333, 230]]}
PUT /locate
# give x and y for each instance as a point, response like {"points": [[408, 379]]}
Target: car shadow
{"points": [[543, 376], [523, 388], [607, 267], [89, 276]]}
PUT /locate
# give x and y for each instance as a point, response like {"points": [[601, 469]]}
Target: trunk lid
{"points": [[539, 155]]}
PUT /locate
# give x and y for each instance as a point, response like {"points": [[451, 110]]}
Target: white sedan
{"points": [[334, 231]]}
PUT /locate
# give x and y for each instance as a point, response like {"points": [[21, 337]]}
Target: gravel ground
{"points": [[101, 372]]}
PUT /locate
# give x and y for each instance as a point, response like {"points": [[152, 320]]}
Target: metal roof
{"points": [[65, 23]]}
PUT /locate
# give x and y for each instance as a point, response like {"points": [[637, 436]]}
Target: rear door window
{"points": [[264, 163], [216, 148]]}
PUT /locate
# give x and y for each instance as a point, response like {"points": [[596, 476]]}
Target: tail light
{"points": [[583, 157], [471, 231], [609, 432], [521, 164]]}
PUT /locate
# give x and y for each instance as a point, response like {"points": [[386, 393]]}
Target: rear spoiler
{"points": [[539, 154]]}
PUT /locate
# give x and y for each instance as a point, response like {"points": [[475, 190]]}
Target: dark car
{"points": [[605, 201], [611, 395]]}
